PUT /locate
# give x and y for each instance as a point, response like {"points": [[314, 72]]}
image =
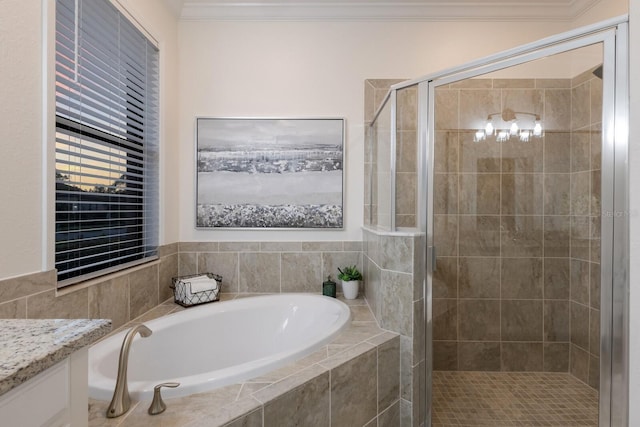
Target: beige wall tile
{"points": [[476, 105], [557, 152], [388, 373], [407, 151], [557, 194], [521, 320], [445, 319], [47, 305], [143, 290], [522, 236], [557, 236], [522, 194], [396, 310], [479, 277], [418, 331], [445, 355], [446, 111], [556, 321], [168, 270], [166, 250], [579, 326], [446, 152], [479, 194], [475, 157], [259, 272], [396, 253], [556, 357], [252, 419], [445, 193], [594, 284], [522, 357], [594, 372], [110, 300], [445, 278], [594, 332], [351, 379], [581, 150], [446, 234], [280, 246], [407, 108], [16, 309], [239, 246], [187, 263], [307, 404], [479, 356], [580, 276], [557, 110], [580, 106], [323, 246], [522, 157], [479, 320], [479, 236], [223, 263], [478, 83], [301, 272], [521, 278], [28, 284], [390, 417], [580, 237], [198, 246], [579, 364], [557, 274], [406, 195], [514, 83], [553, 83], [331, 261], [580, 195]]}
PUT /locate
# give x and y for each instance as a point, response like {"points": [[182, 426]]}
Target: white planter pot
{"points": [[350, 289]]}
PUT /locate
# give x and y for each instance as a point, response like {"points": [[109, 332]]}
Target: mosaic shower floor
{"points": [[512, 399]]}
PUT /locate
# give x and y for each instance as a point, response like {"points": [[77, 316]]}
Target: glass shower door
{"points": [[520, 183]]}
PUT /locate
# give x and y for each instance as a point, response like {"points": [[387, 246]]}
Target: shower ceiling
{"points": [[418, 10]]}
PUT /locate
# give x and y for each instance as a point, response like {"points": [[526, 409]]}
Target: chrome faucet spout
{"points": [[121, 402]]}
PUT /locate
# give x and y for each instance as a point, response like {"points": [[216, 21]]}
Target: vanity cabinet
{"points": [[55, 397]]}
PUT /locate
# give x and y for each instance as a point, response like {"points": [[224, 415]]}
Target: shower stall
{"points": [[514, 169]]}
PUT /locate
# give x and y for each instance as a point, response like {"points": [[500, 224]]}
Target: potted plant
{"points": [[350, 277]]}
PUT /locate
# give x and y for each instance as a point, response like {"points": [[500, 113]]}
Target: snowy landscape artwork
{"points": [[270, 173]]}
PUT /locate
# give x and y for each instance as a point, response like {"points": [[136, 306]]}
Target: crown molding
{"points": [[385, 10]]}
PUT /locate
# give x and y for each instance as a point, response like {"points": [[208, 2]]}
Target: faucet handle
{"points": [[157, 405]]}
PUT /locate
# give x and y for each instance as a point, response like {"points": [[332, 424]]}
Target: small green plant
{"points": [[349, 273]]}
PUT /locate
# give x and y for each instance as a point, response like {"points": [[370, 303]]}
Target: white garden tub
{"points": [[217, 344]]}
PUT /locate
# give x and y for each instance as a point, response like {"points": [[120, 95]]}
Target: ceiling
{"points": [[380, 10]]}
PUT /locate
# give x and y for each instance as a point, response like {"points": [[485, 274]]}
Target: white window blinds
{"points": [[106, 141]]}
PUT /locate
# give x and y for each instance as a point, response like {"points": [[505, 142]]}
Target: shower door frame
{"points": [[614, 315]]}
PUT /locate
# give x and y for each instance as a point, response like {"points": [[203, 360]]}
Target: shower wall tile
{"points": [[557, 194], [596, 100], [446, 238], [396, 253], [396, 298], [522, 236], [521, 278], [30, 284], [445, 355], [479, 235], [518, 157], [557, 110], [580, 151], [479, 277], [168, 270], [557, 152], [479, 320], [479, 356], [445, 193], [579, 364], [596, 146], [187, 263], [557, 278], [580, 276], [47, 305], [557, 236], [580, 325], [472, 84], [594, 372], [594, 332], [556, 321], [406, 184], [580, 193], [553, 83], [580, 106], [580, 237], [477, 194], [446, 152], [445, 319], [406, 151], [445, 278], [526, 100], [521, 194], [594, 285], [446, 108], [16, 309], [522, 357], [514, 83], [521, 320], [478, 158], [556, 357]]}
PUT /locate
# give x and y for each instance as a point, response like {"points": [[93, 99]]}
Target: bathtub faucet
{"points": [[121, 400]]}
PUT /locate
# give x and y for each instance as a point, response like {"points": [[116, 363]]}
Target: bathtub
{"points": [[217, 344]]}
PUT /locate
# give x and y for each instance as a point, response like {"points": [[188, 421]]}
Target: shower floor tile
{"points": [[512, 399]]}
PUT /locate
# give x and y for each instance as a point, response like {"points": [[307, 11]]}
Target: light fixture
{"points": [[510, 124]]}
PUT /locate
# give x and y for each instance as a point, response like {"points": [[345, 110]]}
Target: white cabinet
{"points": [[53, 398]]}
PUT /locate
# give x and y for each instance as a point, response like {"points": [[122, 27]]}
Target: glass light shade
{"points": [[513, 130], [489, 128], [480, 136], [537, 129]]}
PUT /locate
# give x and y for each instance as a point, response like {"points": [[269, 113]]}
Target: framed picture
{"points": [[269, 173]]}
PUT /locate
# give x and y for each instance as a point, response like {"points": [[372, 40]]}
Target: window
{"points": [[106, 142]]}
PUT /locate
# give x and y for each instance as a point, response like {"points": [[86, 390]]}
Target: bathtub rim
{"points": [[103, 390]]}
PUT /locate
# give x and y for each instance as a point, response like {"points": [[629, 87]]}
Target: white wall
{"points": [[309, 69], [21, 153]]}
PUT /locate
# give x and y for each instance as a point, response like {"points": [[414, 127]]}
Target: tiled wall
{"points": [[406, 156], [270, 266], [513, 229], [586, 140], [121, 298], [394, 290]]}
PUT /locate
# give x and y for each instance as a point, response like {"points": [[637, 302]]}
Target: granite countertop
{"points": [[28, 347]]}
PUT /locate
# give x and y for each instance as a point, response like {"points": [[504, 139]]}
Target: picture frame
{"points": [[270, 173]]}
